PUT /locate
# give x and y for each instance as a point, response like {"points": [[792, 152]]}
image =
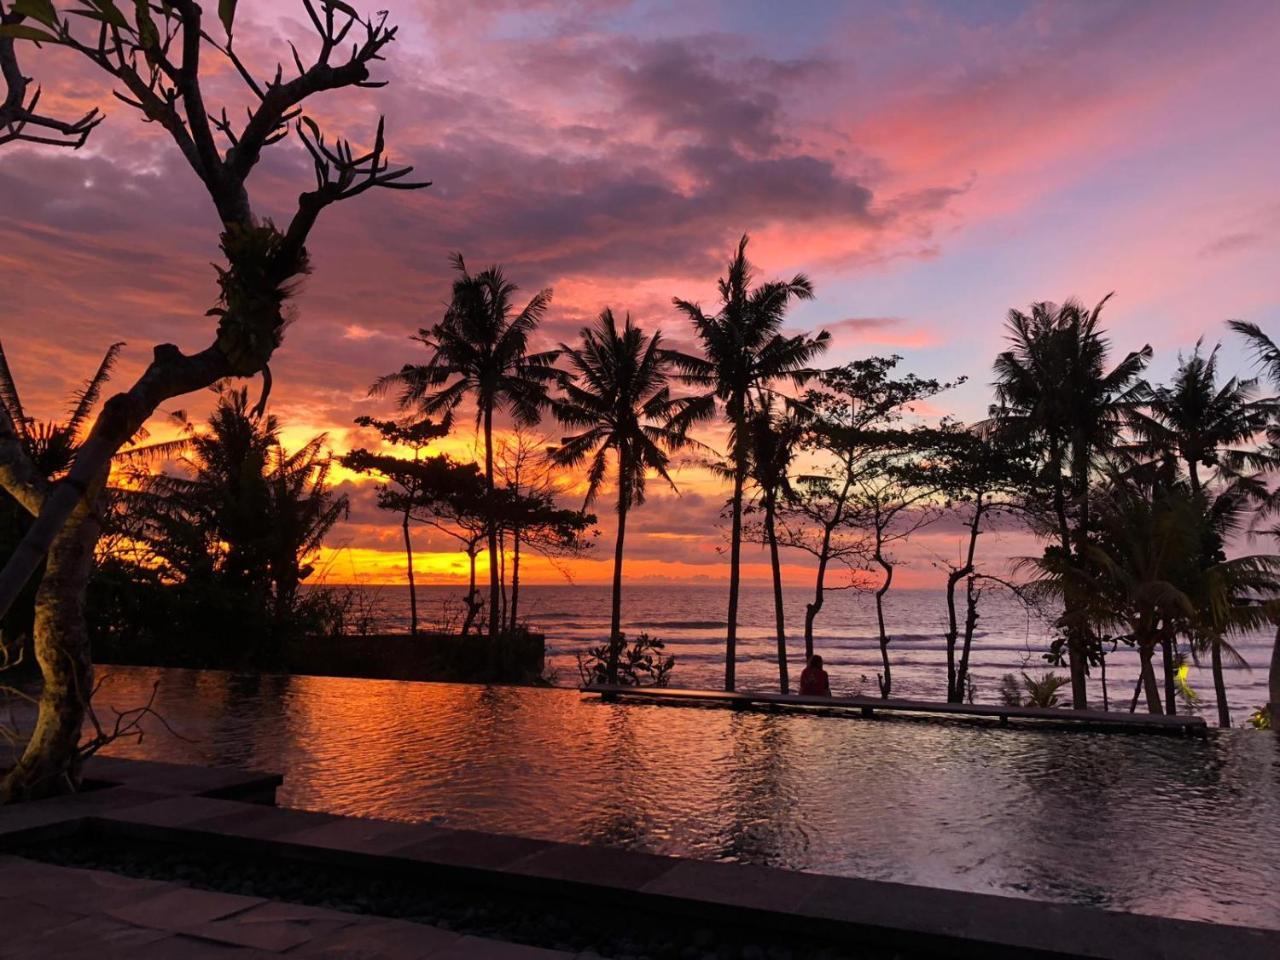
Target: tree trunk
{"points": [[502, 579], [885, 680], [473, 604], [953, 634], [970, 626], [1146, 652], [50, 763], [515, 578], [1193, 474], [824, 556], [1273, 708], [1220, 684], [1170, 685], [615, 610], [1077, 660], [495, 599], [955, 679], [170, 374], [779, 615], [812, 609], [1080, 479], [413, 589], [1102, 669], [735, 564]]}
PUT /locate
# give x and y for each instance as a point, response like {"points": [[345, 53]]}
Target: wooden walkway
{"points": [[870, 706]]}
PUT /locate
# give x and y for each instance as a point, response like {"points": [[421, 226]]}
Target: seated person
{"points": [[813, 680]]}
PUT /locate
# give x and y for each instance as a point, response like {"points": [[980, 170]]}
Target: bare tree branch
{"points": [[18, 112], [127, 723]]}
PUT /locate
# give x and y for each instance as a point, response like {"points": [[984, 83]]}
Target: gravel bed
{"points": [[605, 931]]}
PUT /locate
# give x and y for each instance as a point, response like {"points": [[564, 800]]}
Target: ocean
{"points": [[691, 620]]}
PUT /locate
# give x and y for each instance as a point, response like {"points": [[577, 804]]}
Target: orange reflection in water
{"points": [[1073, 817]]}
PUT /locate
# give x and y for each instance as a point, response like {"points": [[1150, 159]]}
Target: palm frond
{"points": [[86, 398]]}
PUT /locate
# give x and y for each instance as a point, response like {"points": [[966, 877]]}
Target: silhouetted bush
{"points": [[640, 664]]}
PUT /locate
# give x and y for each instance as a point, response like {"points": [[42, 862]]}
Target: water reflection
{"points": [[1184, 827]]}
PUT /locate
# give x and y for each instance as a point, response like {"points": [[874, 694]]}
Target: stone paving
{"points": [[54, 911]]}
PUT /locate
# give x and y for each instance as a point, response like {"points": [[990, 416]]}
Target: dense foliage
{"points": [[205, 562]]}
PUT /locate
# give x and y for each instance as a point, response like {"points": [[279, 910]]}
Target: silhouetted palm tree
{"points": [[1053, 390], [1198, 422], [1265, 350], [621, 400], [773, 447], [1131, 575], [480, 349], [745, 353], [1267, 353], [302, 511], [264, 511], [1231, 595]]}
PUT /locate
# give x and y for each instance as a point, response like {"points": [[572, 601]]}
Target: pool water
{"points": [[1176, 826]]}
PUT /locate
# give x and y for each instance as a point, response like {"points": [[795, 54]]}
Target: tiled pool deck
{"points": [[55, 911]]}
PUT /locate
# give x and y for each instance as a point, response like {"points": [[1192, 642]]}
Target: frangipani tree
{"points": [[153, 54]]}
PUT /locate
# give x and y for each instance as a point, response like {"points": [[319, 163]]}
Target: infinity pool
{"points": [[1183, 827]]}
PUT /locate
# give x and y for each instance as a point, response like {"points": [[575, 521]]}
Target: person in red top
{"points": [[813, 679]]}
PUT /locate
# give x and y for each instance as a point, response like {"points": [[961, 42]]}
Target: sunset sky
{"points": [[929, 165]]}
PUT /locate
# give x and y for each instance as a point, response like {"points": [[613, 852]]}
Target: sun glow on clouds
{"points": [[930, 165]]}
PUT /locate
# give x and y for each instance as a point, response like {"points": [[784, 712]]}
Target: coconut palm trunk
{"points": [[495, 584], [1220, 684], [1274, 706], [770, 508], [514, 611], [735, 569], [1146, 654], [615, 612], [413, 589], [1170, 684], [50, 763]]}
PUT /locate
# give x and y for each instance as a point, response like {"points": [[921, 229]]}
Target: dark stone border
{"points": [[843, 910]]}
